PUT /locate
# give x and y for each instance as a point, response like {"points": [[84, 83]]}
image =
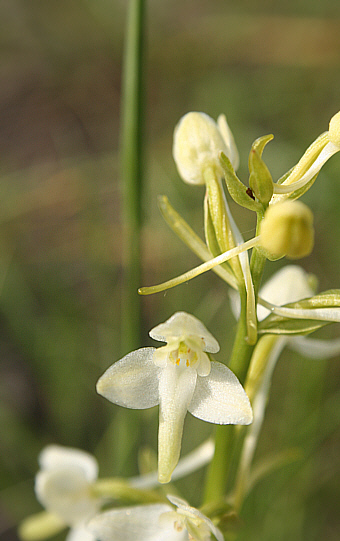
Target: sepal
{"points": [[305, 316], [260, 180], [238, 191], [193, 241]]}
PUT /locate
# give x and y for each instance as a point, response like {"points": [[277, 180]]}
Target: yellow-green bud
{"points": [[287, 230], [334, 130]]}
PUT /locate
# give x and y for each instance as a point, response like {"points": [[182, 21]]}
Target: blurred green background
{"points": [[272, 67]]}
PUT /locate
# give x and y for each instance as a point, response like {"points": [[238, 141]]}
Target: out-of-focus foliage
{"points": [[272, 67]]}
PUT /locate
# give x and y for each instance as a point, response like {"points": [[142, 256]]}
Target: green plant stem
{"points": [[258, 260], [120, 489], [131, 155], [228, 439], [219, 468]]}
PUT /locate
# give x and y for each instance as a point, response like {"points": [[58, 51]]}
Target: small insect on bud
{"points": [[287, 230]]}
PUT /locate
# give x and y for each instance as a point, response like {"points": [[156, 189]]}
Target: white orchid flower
{"points": [[160, 522], [179, 377], [198, 142], [63, 487], [290, 284]]}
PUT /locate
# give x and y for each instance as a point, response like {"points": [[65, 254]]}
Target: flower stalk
{"points": [[131, 168]]}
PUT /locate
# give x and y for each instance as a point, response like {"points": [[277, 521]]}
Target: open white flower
{"points": [[63, 487], [179, 377], [290, 284], [159, 522]]}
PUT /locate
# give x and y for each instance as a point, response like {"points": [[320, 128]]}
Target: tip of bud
{"points": [[197, 146], [334, 129], [287, 230]]}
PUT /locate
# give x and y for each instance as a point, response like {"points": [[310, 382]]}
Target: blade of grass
{"points": [[131, 164]]}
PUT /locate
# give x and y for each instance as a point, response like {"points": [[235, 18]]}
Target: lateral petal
{"points": [[132, 382], [220, 398]]}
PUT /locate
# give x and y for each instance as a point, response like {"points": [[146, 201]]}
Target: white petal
{"points": [[289, 284], [80, 534], [314, 348], [182, 325], [220, 398], [203, 366], [56, 456], [197, 145], [176, 388], [140, 523], [132, 382], [229, 141], [66, 493]]}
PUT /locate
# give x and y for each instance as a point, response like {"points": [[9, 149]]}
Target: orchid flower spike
{"points": [[311, 162], [198, 142], [63, 487], [179, 377], [160, 522]]}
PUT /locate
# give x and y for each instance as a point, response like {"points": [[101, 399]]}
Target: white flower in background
{"points": [[179, 377], [63, 487], [69, 501], [198, 142], [160, 522], [290, 284]]}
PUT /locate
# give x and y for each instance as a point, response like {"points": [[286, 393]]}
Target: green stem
{"points": [[131, 152], [242, 351], [120, 489], [258, 260], [219, 468]]}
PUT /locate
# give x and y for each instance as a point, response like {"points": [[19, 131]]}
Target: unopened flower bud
{"points": [[334, 130], [260, 180], [197, 146], [287, 230]]}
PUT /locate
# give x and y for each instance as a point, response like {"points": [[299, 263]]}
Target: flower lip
{"points": [[183, 327]]}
